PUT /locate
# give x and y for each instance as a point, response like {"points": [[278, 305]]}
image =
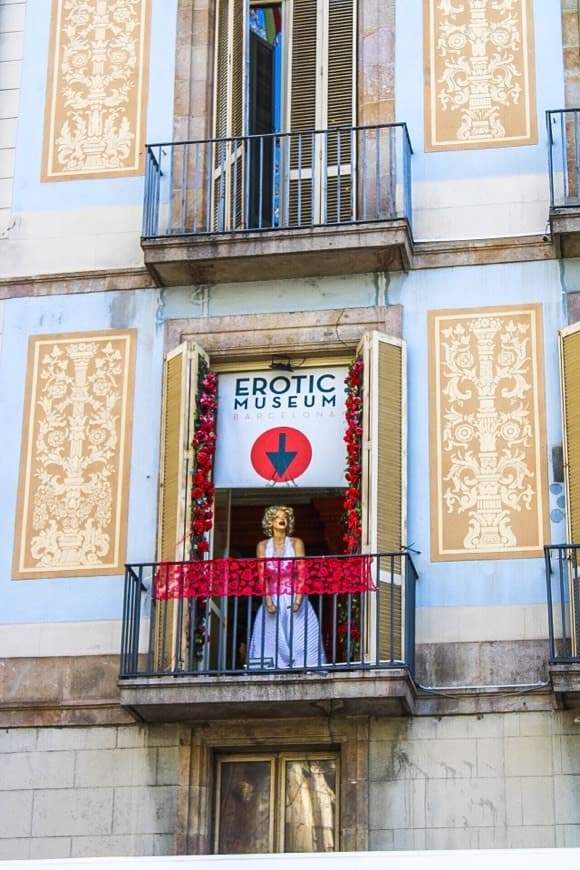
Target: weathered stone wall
{"points": [[376, 62], [481, 781], [75, 792], [571, 50]]}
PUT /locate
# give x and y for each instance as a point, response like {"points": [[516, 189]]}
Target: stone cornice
{"points": [[484, 252], [422, 255], [101, 281]]}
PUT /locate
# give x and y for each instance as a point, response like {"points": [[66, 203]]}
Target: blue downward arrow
{"points": [[282, 458]]}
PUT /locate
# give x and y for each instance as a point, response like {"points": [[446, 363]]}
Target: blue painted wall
{"points": [[32, 195], [476, 163], [490, 581], [450, 583], [55, 600]]}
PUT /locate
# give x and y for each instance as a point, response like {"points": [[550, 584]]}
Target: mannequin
{"points": [[286, 633]]}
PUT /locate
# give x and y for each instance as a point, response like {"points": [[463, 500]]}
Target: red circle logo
{"points": [[281, 454]]}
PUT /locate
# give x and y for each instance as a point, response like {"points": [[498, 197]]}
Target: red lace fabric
{"points": [[320, 575]]}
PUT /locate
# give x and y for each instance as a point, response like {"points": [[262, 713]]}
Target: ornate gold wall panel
{"points": [[487, 433], [97, 89], [74, 468], [479, 74]]}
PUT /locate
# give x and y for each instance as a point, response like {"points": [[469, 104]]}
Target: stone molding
{"points": [[573, 300], [296, 334], [453, 678], [195, 771], [66, 283], [424, 255], [60, 691]]}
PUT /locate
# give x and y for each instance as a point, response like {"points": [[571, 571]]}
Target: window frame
{"points": [[278, 760], [348, 738]]}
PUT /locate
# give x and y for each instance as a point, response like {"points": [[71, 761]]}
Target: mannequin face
{"points": [[280, 521]]}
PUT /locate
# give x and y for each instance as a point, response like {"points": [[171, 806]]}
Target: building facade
{"points": [[214, 214]]}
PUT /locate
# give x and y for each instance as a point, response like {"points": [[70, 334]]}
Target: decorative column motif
{"points": [[480, 84], [75, 456], [96, 95], [488, 465]]}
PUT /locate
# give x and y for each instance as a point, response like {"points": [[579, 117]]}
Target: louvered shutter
{"points": [[570, 384], [384, 502], [321, 97], [177, 422], [303, 116], [340, 112], [229, 117]]}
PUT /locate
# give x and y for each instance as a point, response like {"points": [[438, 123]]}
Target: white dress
{"points": [[285, 639]]}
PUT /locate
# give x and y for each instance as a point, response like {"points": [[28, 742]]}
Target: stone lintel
{"points": [[83, 690], [293, 333], [64, 715], [450, 701], [60, 690]]}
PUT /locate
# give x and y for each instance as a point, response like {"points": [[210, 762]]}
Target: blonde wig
{"points": [[269, 515]]}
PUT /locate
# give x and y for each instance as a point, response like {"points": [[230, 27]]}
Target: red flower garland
{"points": [[202, 490], [353, 438], [204, 444], [349, 607]]}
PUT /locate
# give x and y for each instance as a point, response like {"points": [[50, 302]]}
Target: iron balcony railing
{"points": [[563, 597], [234, 634], [278, 181], [563, 136]]}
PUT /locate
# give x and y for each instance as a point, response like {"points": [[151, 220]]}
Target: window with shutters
{"points": [[283, 109], [238, 511]]}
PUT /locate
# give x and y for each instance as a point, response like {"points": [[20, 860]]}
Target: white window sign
{"points": [[279, 428]]}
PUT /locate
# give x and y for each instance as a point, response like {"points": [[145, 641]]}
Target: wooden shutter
{"points": [[339, 110], [177, 428], [321, 96], [229, 114], [302, 111], [384, 484], [570, 385]]}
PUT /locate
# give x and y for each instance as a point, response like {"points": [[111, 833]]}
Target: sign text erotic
{"points": [[286, 391]]}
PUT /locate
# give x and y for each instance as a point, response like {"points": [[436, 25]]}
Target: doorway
{"points": [[238, 519], [237, 530]]}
